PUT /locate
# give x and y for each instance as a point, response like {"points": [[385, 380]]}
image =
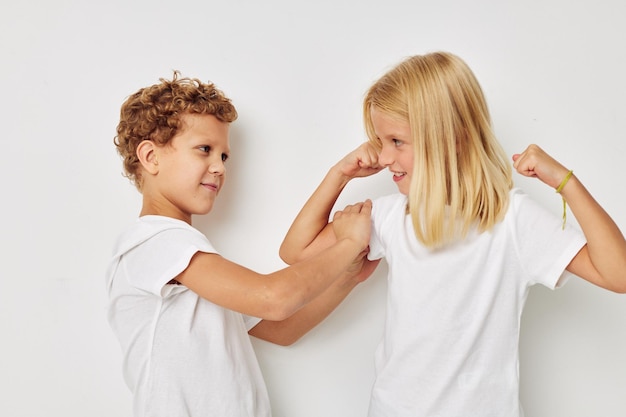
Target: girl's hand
{"points": [[361, 162], [535, 162]]}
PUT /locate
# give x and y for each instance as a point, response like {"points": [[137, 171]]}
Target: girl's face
{"points": [[192, 167], [397, 147]]}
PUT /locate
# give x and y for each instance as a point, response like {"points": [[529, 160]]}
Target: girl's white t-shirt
{"points": [[183, 355], [450, 345]]}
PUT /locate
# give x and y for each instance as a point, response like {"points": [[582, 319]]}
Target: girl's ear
{"points": [[147, 155]]}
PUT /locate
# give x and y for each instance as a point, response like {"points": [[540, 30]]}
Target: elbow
{"points": [[286, 255], [617, 286], [277, 333], [285, 340], [620, 288], [616, 280], [276, 313]]}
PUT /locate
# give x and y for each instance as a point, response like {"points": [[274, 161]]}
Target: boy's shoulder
{"points": [[145, 228]]}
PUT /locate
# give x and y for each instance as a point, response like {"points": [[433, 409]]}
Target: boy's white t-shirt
{"points": [[450, 345], [183, 355]]}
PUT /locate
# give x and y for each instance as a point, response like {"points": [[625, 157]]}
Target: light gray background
{"points": [[553, 73]]}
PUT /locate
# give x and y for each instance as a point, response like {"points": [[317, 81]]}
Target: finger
{"points": [[366, 206], [351, 208], [523, 163], [518, 159], [368, 161]]}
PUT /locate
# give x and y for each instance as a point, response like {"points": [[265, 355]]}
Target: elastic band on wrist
{"points": [[565, 180], [559, 189]]}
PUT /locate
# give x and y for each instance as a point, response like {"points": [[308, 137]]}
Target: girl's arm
{"points": [[310, 232], [602, 261], [279, 295]]}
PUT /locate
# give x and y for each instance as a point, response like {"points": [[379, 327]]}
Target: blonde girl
{"points": [[462, 244]]}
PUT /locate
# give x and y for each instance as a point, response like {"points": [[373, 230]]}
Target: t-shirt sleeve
{"points": [[384, 209], [376, 248], [544, 247], [158, 260]]}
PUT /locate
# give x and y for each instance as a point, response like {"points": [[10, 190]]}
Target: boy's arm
{"points": [[288, 331], [602, 261], [310, 232], [278, 295]]}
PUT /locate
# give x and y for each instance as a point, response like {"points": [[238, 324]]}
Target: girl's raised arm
{"points": [[602, 261], [310, 232]]}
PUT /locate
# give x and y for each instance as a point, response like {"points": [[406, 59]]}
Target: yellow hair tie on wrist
{"points": [[559, 189]]}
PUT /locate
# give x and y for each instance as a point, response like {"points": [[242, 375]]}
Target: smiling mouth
{"points": [[211, 186], [397, 176]]}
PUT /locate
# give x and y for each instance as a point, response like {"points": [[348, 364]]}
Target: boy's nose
{"points": [[217, 167]]}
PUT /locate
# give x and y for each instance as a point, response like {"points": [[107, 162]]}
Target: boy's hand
{"points": [[354, 223], [361, 268], [361, 162], [535, 162]]}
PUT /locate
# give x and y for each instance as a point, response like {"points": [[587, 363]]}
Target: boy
{"points": [[176, 306]]}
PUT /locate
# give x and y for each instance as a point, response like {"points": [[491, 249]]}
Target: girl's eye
{"points": [[224, 157], [396, 142]]}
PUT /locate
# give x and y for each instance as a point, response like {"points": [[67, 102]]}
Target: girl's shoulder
{"points": [[520, 201], [390, 202]]}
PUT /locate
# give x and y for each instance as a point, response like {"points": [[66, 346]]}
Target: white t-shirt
{"points": [[183, 355], [450, 345]]}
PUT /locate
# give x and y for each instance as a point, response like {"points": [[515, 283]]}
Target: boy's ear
{"points": [[147, 155]]}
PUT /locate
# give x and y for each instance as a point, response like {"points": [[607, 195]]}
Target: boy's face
{"points": [[191, 167]]}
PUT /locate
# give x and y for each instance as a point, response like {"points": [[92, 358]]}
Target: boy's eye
{"points": [[207, 149]]}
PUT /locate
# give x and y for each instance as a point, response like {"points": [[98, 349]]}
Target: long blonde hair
{"points": [[461, 175]]}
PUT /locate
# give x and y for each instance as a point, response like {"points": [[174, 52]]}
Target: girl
{"points": [[462, 245]]}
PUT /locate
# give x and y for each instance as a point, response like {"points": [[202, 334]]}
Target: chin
{"points": [[203, 211], [403, 190]]}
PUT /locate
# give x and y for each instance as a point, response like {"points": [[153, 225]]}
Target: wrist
{"points": [[355, 245], [564, 182], [337, 175]]}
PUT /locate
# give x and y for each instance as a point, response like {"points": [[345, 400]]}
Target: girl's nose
{"points": [[384, 159]]}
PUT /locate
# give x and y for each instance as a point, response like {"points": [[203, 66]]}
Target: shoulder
{"points": [[160, 229], [523, 209], [388, 220], [389, 203], [392, 206]]}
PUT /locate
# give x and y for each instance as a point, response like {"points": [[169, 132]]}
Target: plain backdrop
{"points": [[552, 71]]}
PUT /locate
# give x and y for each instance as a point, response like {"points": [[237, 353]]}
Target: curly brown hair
{"points": [[154, 113]]}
